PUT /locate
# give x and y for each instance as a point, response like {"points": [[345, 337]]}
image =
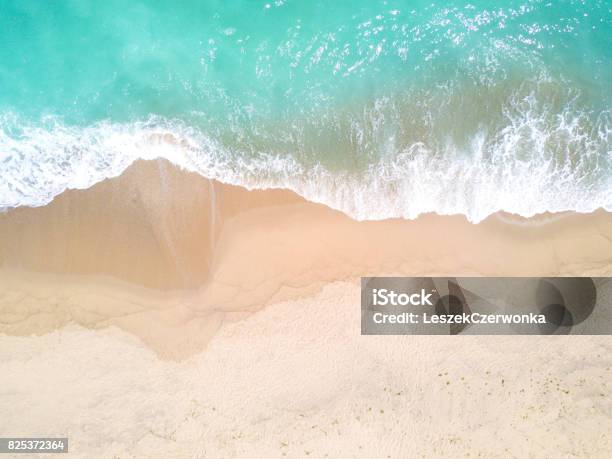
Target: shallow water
{"points": [[377, 108]]}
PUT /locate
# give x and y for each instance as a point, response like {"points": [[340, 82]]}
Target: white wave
{"points": [[530, 165]]}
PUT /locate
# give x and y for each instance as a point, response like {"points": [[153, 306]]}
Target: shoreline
{"points": [[169, 256]]}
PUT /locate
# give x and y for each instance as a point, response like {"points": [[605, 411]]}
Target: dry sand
{"points": [[297, 379], [110, 297]]}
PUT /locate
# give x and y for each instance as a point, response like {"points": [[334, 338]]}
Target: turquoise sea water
{"points": [[377, 108]]}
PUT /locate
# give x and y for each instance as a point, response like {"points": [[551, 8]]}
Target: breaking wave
{"points": [[530, 164]]}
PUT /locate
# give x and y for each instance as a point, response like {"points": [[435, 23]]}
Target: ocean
{"points": [[380, 109]]}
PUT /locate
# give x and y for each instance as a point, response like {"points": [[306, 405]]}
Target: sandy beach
{"points": [[297, 380], [159, 310], [306, 229], [168, 255]]}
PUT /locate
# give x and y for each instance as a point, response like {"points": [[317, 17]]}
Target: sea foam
{"points": [[528, 166]]}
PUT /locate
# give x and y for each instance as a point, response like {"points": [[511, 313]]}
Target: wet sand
{"points": [[168, 255]]}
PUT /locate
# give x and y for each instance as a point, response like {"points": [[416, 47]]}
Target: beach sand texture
{"points": [[160, 314]]}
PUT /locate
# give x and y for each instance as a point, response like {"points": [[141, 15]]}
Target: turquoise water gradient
{"points": [[89, 60], [349, 88]]}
